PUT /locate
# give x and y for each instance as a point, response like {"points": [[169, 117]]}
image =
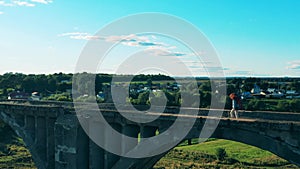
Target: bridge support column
{"points": [[30, 127], [96, 152], [110, 158], [40, 141], [130, 131], [71, 144], [147, 131], [50, 143]]}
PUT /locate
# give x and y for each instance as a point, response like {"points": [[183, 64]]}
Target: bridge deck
{"points": [[245, 116]]}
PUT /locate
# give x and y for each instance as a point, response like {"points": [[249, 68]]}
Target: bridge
{"points": [[55, 138]]}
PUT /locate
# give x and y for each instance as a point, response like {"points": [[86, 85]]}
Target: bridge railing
{"points": [[69, 106]]}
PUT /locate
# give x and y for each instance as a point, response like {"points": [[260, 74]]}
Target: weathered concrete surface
{"points": [[35, 125], [56, 139]]}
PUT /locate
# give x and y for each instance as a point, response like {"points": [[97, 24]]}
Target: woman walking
{"points": [[235, 106]]}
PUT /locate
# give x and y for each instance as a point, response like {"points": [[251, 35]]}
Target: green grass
{"points": [[16, 156], [13, 153], [236, 150], [203, 155]]}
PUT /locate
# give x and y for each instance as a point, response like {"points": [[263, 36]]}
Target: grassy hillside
{"points": [[204, 155], [13, 153]]}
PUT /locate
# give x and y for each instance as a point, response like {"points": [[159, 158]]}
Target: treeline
{"points": [[246, 84], [42, 83], [58, 87], [59, 82]]}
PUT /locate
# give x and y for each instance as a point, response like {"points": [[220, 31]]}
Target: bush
{"points": [[59, 97], [282, 105], [220, 153], [295, 105], [256, 104]]}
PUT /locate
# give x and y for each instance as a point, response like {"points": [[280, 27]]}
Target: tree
{"points": [[231, 89], [205, 99], [149, 82], [282, 106], [295, 105], [221, 153], [158, 99], [256, 104], [143, 99]]}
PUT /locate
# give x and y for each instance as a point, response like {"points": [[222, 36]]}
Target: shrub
{"points": [[220, 153]]}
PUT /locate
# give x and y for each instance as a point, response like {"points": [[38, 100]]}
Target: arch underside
{"points": [[275, 145], [32, 142]]}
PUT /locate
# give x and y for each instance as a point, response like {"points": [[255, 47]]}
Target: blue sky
{"points": [[252, 37]]}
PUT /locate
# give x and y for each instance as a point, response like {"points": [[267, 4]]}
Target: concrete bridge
{"points": [[55, 138]]}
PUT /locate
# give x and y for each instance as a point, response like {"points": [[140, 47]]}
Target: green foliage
{"points": [[158, 98], [205, 99], [220, 153], [295, 105], [13, 153], [173, 98], [231, 89], [255, 104], [143, 99], [289, 105], [90, 99], [59, 97], [282, 105], [238, 155]]}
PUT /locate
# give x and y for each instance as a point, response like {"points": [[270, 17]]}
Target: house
{"points": [[290, 94], [256, 89], [18, 95], [274, 93], [35, 96]]}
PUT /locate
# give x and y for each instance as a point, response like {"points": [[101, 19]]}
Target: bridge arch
{"points": [[281, 142], [42, 127], [265, 140]]}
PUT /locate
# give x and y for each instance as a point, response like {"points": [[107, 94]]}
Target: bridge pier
{"points": [[30, 127], [65, 142], [96, 152], [130, 131], [147, 131], [40, 140], [109, 158], [50, 122]]}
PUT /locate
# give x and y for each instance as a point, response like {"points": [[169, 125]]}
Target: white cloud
{"points": [[23, 3], [3, 3], [42, 1], [157, 50], [135, 40], [16, 3], [1, 12], [127, 40], [295, 65], [80, 36], [32, 3]]}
